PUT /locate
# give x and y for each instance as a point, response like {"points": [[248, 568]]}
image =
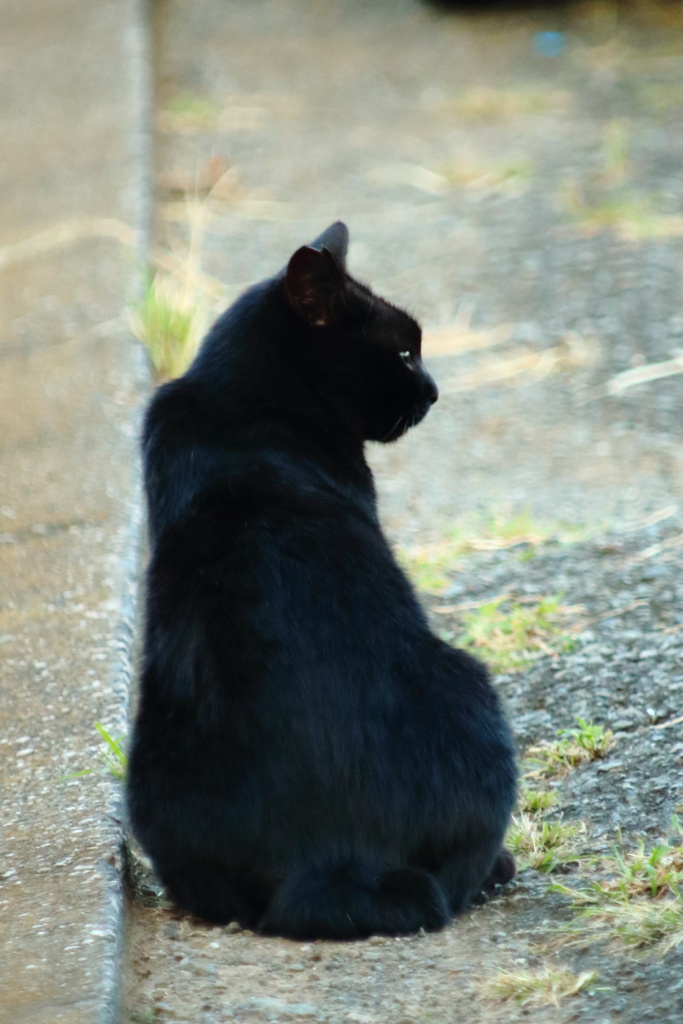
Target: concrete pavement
{"points": [[73, 239], [473, 176]]}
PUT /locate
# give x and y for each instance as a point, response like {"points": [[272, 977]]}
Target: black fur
{"points": [[308, 758]]}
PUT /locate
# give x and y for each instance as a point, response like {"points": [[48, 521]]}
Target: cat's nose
{"points": [[431, 391]]}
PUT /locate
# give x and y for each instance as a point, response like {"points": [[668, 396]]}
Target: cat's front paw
{"points": [[504, 869], [415, 899]]}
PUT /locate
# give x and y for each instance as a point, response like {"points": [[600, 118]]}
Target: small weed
{"points": [[429, 565], [631, 214], [543, 987], [510, 634], [658, 98], [637, 898], [190, 112], [593, 739], [535, 801], [114, 757], [543, 845], [528, 554], [512, 174], [482, 103], [605, 200], [181, 299], [615, 152], [587, 742], [144, 1016], [641, 925], [500, 531], [170, 324]]}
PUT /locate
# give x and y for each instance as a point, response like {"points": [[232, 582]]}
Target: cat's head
{"points": [[353, 348]]}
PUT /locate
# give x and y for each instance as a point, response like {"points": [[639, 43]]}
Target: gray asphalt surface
{"points": [[527, 209]]}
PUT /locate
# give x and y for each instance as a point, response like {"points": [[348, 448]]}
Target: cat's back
{"points": [[260, 527], [260, 515], [246, 469]]}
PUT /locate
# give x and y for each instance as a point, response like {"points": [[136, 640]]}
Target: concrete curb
{"points": [[121, 675], [121, 680], [76, 155]]}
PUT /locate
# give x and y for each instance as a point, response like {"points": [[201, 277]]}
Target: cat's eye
{"points": [[407, 358]]}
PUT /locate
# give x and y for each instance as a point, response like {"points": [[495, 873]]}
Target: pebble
{"points": [[276, 1008], [608, 766]]}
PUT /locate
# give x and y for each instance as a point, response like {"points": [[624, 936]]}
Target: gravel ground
{"points": [[625, 672], [527, 211]]}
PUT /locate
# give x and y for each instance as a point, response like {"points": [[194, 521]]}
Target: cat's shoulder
{"points": [[175, 407]]}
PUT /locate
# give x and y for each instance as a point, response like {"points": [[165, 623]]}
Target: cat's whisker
{"points": [[366, 322], [390, 432]]}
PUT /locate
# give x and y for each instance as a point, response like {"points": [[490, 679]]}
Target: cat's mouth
{"points": [[422, 411], [408, 420]]}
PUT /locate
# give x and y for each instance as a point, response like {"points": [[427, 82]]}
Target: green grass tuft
{"points": [[508, 174], [536, 801], [586, 742], [637, 898], [115, 757], [545, 986], [607, 200], [189, 110], [510, 634], [544, 845], [170, 325], [115, 760], [431, 565], [484, 103]]}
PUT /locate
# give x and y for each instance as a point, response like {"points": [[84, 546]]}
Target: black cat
{"points": [[308, 758]]}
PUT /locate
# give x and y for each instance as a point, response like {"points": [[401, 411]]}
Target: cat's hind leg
{"points": [[354, 900], [211, 893], [471, 870]]}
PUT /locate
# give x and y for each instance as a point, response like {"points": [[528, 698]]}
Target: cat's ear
{"points": [[336, 240], [315, 284]]}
